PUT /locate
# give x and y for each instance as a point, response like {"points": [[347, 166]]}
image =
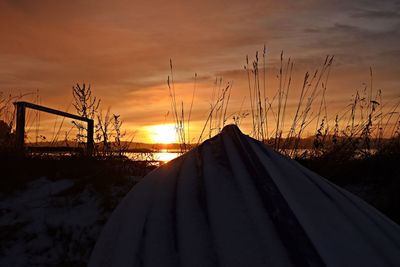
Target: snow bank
{"points": [[51, 223]]}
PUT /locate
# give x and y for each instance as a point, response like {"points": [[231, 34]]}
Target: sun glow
{"points": [[162, 134]]}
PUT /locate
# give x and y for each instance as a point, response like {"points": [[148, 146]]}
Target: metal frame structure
{"points": [[20, 127]]}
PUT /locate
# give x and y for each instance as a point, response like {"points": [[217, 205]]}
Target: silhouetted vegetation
{"points": [[357, 148], [373, 177]]}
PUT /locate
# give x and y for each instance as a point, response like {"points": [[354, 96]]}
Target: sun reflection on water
{"points": [[166, 156]]}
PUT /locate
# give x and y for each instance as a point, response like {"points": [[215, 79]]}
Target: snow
{"points": [[45, 225]]}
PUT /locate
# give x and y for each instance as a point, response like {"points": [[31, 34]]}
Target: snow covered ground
{"points": [[54, 222], [57, 222]]}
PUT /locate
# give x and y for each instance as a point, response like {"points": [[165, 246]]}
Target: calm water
{"points": [[164, 156]]}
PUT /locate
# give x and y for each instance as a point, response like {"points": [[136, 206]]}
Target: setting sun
{"points": [[162, 134]]}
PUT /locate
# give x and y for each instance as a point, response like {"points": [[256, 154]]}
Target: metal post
{"points": [[90, 140], [20, 128]]}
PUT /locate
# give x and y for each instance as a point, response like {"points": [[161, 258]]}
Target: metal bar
{"points": [[52, 111]]}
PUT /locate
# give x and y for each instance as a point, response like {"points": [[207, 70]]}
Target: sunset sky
{"points": [[123, 48]]}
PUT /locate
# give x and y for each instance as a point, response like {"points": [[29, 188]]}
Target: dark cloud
{"points": [[377, 14], [391, 53], [356, 31], [355, 44]]}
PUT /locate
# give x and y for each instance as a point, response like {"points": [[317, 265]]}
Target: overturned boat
{"points": [[232, 201]]}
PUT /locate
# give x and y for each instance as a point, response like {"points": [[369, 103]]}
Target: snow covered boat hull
{"points": [[232, 201]]}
